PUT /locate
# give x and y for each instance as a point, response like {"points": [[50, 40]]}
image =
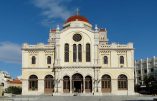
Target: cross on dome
{"points": [[77, 17], [77, 11]]}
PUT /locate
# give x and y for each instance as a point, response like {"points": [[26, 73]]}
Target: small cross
{"points": [[77, 11]]}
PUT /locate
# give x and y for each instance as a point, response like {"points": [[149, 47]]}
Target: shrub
{"points": [[137, 88], [13, 90]]}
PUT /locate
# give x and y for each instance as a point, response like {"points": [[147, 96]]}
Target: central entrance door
{"points": [[77, 83], [77, 86]]}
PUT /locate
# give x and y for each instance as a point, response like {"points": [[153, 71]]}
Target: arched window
{"points": [[66, 84], [74, 52], [105, 60], [88, 84], [87, 52], [122, 82], [33, 60], [49, 60], [106, 83], [2, 84], [49, 85], [80, 53], [121, 59], [33, 82], [66, 54]]}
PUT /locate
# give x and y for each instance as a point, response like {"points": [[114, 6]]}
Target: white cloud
{"points": [[10, 52], [53, 8], [19, 77]]}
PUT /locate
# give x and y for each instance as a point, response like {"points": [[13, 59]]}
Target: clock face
{"points": [[77, 37]]}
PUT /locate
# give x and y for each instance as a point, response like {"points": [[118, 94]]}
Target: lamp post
{"points": [[97, 81], [57, 81]]}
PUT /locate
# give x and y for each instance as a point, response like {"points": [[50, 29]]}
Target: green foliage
{"points": [[151, 86], [148, 79], [137, 88], [13, 90]]}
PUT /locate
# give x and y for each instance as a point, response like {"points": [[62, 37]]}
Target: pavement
{"points": [[79, 98]]}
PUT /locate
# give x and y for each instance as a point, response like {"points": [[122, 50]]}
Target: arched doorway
{"points": [[106, 83], [33, 82], [77, 83], [49, 84], [88, 84], [122, 82], [66, 84]]}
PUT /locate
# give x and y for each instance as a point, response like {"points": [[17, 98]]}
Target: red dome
{"points": [[77, 17]]}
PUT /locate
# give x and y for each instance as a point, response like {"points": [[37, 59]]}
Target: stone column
{"points": [[114, 86], [61, 86], [84, 85], [41, 86], [92, 85], [97, 80], [95, 54], [56, 81], [57, 54], [71, 86]]}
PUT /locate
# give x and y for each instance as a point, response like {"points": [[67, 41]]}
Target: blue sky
{"points": [[30, 20]]}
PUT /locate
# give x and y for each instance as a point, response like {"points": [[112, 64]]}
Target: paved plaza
{"points": [[79, 98]]}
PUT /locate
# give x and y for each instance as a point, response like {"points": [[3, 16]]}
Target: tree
{"points": [[13, 90], [137, 88], [148, 79]]}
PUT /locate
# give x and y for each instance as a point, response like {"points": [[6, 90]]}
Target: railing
{"points": [[115, 46], [37, 46]]}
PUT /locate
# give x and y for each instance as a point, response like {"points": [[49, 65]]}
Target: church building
{"points": [[78, 59]]}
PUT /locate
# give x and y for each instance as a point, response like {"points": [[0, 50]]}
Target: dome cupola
{"points": [[77, 21], [77, 18]]}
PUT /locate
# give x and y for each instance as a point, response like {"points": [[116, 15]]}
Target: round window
{"points": [[77, 37]]}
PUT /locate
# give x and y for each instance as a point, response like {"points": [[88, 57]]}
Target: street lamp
{"points": [[97, 81]]}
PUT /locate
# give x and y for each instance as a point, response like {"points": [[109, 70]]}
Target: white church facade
{"points": [[78, 59]]}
